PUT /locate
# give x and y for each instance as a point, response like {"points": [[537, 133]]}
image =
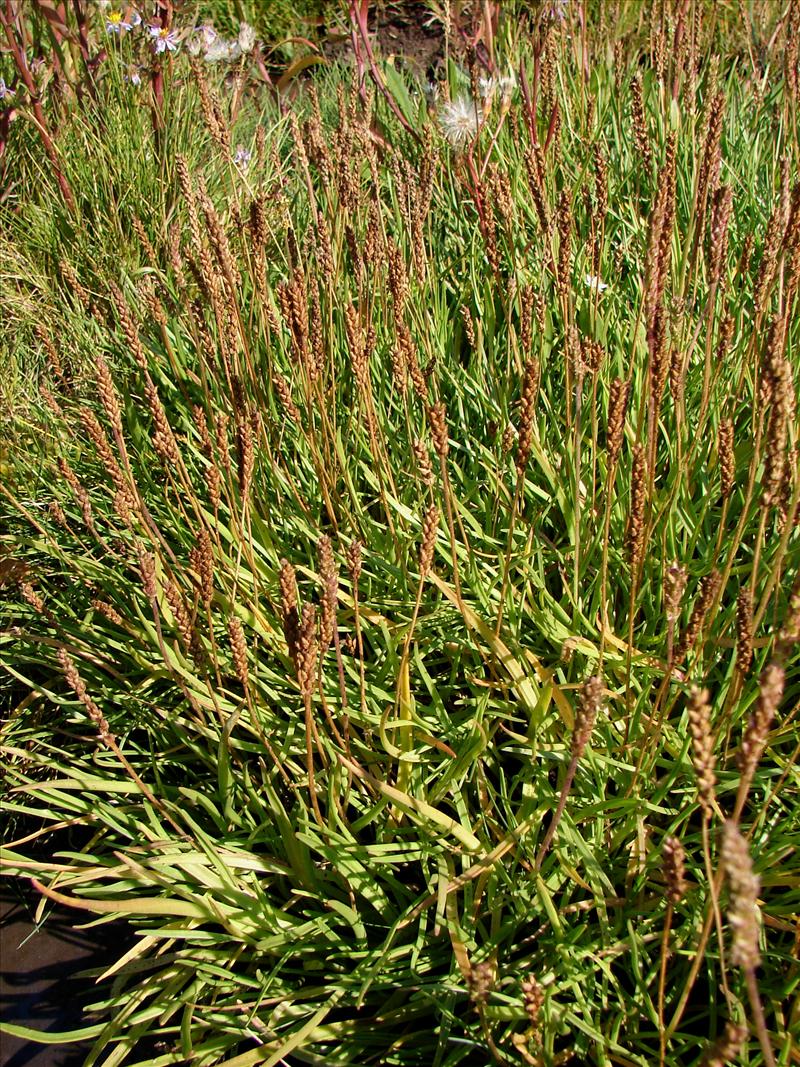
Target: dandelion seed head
{"points": [[247, 37], [593, 282], [506, 85], [459, 121], [220, 50]]}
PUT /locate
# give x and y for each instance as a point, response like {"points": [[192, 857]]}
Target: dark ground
{"points": [[40, 976]]}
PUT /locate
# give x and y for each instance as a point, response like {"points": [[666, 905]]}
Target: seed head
{"points": [[430, 526], [770, 691], [723, 205], [307, 649], [31, 596], [709, 587], [585, 714], [743, 913], [480, 982], [726, 1048], [564, 221], [238, 649], [674, 586], [641, 137], [354, 561], [289, 614], [423, 462], [73, 284], [789, 634], [283, 389], [459, 121], [179, 610], [600, 183], [81, 495], [202, 560], [469, 327], [76, 682], [147, 570], [617, 408], [246, 455], [437, 415], [58, 515], [744, 630], [673, 856], [530, 385], [329, 574], [703, 757], [109, 612], [727, 462], [636, 527], [533, 999]]}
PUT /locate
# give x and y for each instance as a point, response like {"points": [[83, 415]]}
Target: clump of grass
{"points": [[401, 547]]}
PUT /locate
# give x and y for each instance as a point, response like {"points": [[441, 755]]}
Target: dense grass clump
{"points": [[401, 528]]}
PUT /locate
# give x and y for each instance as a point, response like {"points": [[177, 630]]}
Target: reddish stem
{"points": [[6, 17], [358, 15]]}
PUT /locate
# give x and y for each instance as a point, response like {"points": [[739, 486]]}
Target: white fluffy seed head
{"points": [[459, 121]]}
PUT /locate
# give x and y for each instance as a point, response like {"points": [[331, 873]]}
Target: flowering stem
{"points": [[83, 40], [358, 14], [758, 1016], [662, 978], [562, 803]]}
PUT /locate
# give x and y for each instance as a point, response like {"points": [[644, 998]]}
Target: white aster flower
{"points": [[4, 90], [242, 158], [459, 121], [247, 37], [594, 282]]}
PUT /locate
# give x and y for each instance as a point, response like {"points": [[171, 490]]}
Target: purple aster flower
{"points": [[242, 157], [164, 40]]}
